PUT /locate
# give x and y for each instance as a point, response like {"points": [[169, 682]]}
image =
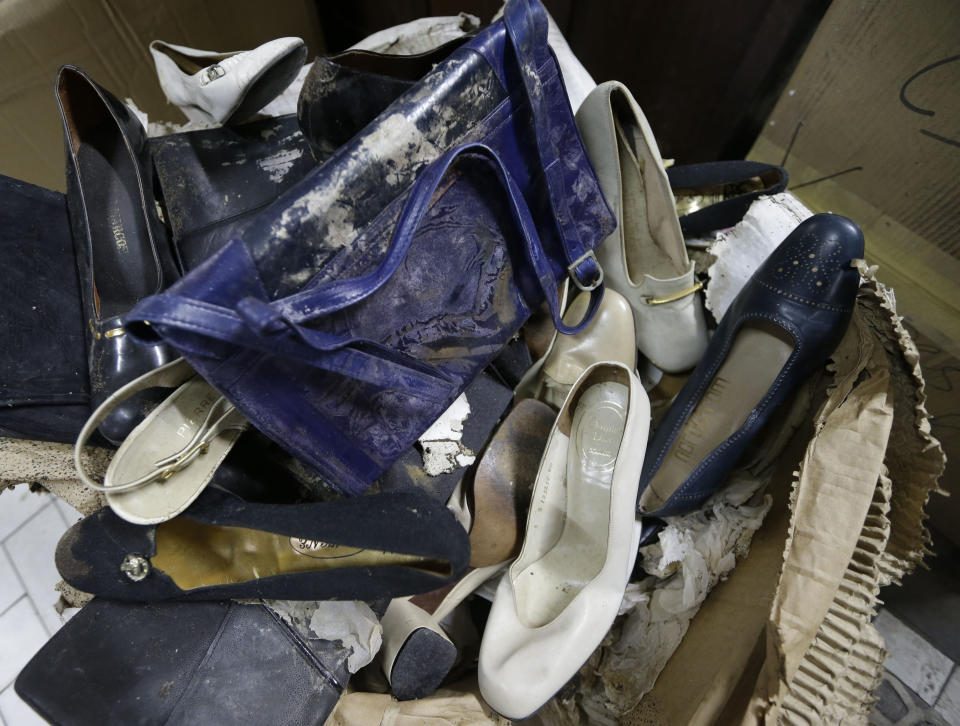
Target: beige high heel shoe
{"points": [[608, 337], [417, 654]]}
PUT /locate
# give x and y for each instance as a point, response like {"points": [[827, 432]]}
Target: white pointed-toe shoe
{"points": [[226, 88], [557, 601], [645, 258]]}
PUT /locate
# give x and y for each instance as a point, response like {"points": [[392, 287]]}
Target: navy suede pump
{"points": [[363, 548]]}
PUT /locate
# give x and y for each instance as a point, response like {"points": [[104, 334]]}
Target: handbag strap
{"points": [[276, 327], [724, 212], [527, 28]]}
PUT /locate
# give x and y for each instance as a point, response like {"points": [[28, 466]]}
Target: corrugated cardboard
{"points": [[788, 638], [875, 96], [875, 100], [108, 39]]}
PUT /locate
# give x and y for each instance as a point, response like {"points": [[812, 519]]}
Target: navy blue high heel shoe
{"points": [[782, 326], [123, 250]]}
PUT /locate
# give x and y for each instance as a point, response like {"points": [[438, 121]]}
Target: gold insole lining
{"points": [[195, 555]]}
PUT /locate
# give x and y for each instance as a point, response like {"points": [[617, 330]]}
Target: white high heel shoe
{"points": [[559, 598], [226, 88], [644, 259]]}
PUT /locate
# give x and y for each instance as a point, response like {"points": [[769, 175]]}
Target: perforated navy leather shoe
{"points": [[782, 326]]}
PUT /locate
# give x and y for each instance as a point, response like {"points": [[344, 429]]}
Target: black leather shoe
{"points": [[214, 180], [183, 663], [343, 93], [364, 548], [123, 250]]}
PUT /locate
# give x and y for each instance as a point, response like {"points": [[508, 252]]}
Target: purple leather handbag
{"points": [[355, 308]]}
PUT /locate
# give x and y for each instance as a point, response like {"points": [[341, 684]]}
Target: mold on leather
{"points": [[213, 180]]}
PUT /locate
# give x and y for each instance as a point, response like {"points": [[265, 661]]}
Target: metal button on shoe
{"points": [[136, 567]]}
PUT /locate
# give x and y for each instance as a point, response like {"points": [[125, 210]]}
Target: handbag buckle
{"points": [[572, 271]]}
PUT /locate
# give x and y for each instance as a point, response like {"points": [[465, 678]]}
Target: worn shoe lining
{"points": [[167, 430], [578, 473], [124, 268], [758, 354], [195, 555], [653, 243]]}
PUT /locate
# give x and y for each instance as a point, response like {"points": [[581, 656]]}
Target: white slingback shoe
{"points": [[171, 456], [226, 88]]}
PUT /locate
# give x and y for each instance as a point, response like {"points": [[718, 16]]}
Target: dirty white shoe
{"points": [[226, 88], [644, 259], [559, 598], [609, 336]]}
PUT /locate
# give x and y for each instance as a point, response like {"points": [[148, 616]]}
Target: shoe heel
{"points": [[416, 654]]}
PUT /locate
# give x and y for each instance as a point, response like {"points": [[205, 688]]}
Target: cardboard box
{"points": [[109, 40], [873, 105]]}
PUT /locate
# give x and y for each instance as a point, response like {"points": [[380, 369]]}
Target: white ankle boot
{"points": [[226, 88]]}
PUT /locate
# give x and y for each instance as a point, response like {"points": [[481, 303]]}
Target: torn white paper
{"points": [[443, 449], [352, 623], [741, 250]]}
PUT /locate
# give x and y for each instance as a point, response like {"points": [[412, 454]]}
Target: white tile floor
{"points": [[30, 526]]}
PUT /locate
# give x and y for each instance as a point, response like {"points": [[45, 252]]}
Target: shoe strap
{"points": [[170, 375]]}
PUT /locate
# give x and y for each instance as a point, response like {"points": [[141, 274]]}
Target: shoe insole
{"points": [[124, 267], [195, 555], [167, 430], [652, 241], [758, 354], [577, 491]]}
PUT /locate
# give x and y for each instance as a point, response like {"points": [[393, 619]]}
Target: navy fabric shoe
{"points": [[377, 546], [782, 326], [44, 387]]}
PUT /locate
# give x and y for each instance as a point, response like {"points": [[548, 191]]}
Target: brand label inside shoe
{"points": [[598, 438], [116, 227], [699, 423], [197, 414], [322, 550]]}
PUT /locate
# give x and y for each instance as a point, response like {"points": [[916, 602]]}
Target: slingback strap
{"points": [[171, 375], [527, 27], [277, 327]]}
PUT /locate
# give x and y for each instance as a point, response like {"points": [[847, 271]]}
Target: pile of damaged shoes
{"points": [[383, 417]]}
